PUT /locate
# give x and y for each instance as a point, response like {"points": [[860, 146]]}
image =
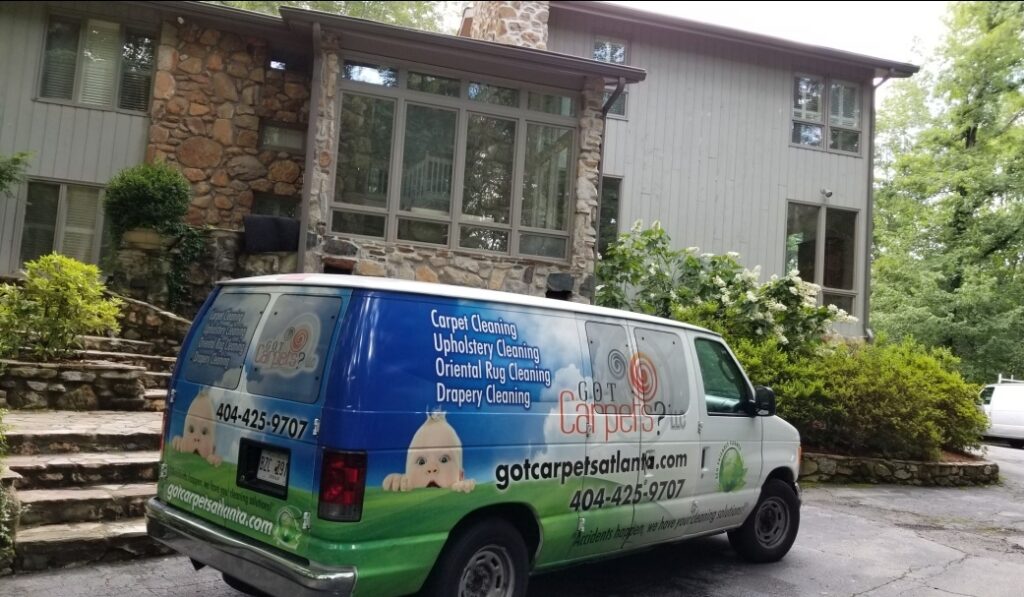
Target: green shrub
{"points": [[60, 299], [642, 272], [154, 196], [890, 400]]}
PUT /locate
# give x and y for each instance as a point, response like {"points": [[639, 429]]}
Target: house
{"points": [[402, 153], [735, 142]]}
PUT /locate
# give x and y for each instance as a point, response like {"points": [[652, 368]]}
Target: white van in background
{"points": [[1003, 403]]}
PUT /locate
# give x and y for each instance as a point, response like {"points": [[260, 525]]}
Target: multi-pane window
{"points": [[451, 162], [64, 218], [97, 63], [842, 129], [831, 262]]}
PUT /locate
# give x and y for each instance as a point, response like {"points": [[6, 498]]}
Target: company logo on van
{"points": [[291, 351], [732, 473]]}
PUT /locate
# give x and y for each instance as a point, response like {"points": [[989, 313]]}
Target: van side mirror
{"points": [[764, 402]]}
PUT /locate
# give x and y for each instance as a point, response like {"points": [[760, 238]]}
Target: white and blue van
{"points": [[336, 435]]}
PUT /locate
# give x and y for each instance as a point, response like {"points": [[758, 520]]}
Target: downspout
{"points": [[619, 87], [311, 161], [869, 335]]}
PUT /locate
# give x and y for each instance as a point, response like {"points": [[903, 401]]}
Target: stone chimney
{"points": [[523, 24]]}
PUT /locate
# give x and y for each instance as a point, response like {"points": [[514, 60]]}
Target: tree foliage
{"points": [[419, 15], [949, 242], [12, 170]]}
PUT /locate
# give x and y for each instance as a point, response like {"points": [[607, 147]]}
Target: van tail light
{"points": [[342, 484]]}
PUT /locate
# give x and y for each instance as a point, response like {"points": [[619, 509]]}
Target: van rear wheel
{"points": [[771, 528], [488, 559]]}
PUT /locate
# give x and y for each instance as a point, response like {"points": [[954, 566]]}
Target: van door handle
{"points": [[703, 458]]}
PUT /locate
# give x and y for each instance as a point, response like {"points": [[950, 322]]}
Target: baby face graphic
{"points": [[434, 460], [198, 434]]}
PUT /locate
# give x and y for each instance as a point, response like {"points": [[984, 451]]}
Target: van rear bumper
{"points": [[245, 560]]}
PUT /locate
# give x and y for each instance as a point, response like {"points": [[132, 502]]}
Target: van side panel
{"points": [[459, 405]]}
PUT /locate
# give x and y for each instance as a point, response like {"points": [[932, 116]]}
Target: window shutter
{"points": [[81, 223], [136, 72], [844, 106], [99, 63], [60, 59]]}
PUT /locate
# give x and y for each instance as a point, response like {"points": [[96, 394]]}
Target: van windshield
{"points": [[278, 337]]}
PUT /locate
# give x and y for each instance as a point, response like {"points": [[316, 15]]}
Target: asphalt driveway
{"points": [[877, 541]]}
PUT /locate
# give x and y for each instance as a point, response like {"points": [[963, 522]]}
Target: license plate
{"points": [[273, 467]]}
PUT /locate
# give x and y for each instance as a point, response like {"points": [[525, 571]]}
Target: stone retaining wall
{"points": [[74, 385], [145, 322], [828, 468]]}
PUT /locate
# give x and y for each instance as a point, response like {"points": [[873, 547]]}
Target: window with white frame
{"points": [[62, 218], [454, 161], [821, 245], [811, 103], [97, 63]]}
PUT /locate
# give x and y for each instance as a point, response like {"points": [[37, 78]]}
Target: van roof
{"points": [[446, 290]]}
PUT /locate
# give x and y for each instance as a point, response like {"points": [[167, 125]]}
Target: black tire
{"points": [[490, 554], [1016, 443], [771, 528], [243, 587]]}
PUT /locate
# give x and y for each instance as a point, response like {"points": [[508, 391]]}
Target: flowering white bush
{"points": [[642, 272]]}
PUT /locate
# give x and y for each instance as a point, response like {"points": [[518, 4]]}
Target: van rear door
{"points": [[240, 448]]}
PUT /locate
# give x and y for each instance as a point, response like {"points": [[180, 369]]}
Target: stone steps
{"points": [[51, 471], [63, 545], [62, 432], [155, 380], [121, 345], [150, 362], [156, 400], [93, 503]]}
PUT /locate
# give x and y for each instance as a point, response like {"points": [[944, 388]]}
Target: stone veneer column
{"points": [[523, 24], [321, 188], [584, 237]]}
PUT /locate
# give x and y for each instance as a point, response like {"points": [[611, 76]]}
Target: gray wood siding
{"points": [[67, 143], [704, 148]]}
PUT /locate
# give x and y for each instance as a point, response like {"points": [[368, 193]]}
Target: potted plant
{"points": [[144, 202]]}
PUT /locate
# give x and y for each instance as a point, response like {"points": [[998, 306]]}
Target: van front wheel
{"points": [[488, 559], [771, 528]]}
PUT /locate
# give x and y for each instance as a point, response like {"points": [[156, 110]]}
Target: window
{"points": [[62, 218], [809, 108], [618, 107], [97, 63], [448, 162], [613, 51], [217, 354], [265, 204], [725, 387], [609, 362], [831, 263], [608, 228], [660, 368], [282, 136], [986, 395], [609, 50]]}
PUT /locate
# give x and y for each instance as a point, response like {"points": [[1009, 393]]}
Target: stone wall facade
{"points": [[74, 385], [147, 323], [212, 92], [828, 468], [523, 24], [321, 176]]}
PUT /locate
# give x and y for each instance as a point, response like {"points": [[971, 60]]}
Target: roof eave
{"points": [[299, 18], [880, 66]]}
